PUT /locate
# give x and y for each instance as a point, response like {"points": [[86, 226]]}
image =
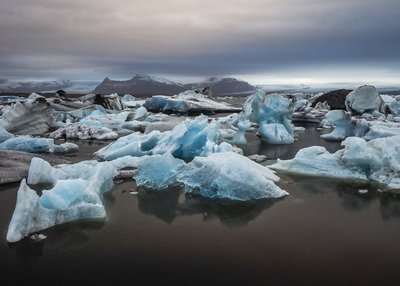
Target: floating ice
{"points": [[272, 113], [229, 176], [158, 171], [4, 134], [30, 117], [189, 139], [395, 106], [346, 126], [364, 99], [35, 145], [305, 113], [31, 216], [83, 131], [188, 101], [77, 194], [376, 160]]}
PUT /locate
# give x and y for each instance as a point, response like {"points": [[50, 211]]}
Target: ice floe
{"points": [[273, 115], [364, 99], [190, 138], [229, 176], [76, 194], [377, 160], [187, 101], [345, 125], [35, 145], [83, 131], [29, 117]]}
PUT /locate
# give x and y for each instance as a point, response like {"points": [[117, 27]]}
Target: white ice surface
{"points": [[229, 176], [376, 160]]}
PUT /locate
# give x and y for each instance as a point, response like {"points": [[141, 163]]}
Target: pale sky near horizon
{"points": [[270, 41]]}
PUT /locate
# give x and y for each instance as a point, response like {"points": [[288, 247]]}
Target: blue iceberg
{"points": [[229, 176]]}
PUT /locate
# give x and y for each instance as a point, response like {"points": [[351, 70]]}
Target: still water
{"points": [[324, 233]]}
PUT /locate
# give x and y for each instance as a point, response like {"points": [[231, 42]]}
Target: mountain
{"points": [[32, 86], [224, 86], [140, 84], [149, 85]]}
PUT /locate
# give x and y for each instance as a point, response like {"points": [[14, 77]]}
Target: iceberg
{"points": [[83, 131], [346, 125], [4, 134], [364, 99], [394, 106], [188, 139], [76, 194], [229, 176], [377, 160], [30, 215], [35, 145], [29, 117], [272, 113], [304, 112], [187, 101], [14, 165], [158, 171]]}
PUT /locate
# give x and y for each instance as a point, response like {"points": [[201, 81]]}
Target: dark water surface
{"points": [[324, 233]]}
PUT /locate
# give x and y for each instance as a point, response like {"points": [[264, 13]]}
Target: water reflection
{"points": [[169, 204], [348, 195], [61, 239], [310, 137]]}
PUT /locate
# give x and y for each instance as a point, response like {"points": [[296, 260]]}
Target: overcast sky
{"points": [[264, 41]]}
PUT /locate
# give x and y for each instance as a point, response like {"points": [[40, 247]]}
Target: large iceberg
{"points": [[189, 139], [377, 160], [29, 117], [158, 171], [273, 115], [14, 165], [83, 131], [345, 125], [187, 101], [305, 112], [229, 176], [35, 145], [76, 194], [364, 99], [4, 134]]}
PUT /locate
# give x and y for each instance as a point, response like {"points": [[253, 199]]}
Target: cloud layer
{"points": [[91, 39]]}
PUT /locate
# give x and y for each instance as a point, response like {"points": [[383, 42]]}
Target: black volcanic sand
{"points": [[324, 233]]}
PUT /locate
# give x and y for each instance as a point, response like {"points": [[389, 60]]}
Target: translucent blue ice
{"points": [[4, 134], [229, 176], [36, 145], [77, 194], [188, 139], [376, 160], [158, 171], [265, 110]]}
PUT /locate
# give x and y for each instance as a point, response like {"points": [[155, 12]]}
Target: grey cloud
{"points": [[46, 38]]}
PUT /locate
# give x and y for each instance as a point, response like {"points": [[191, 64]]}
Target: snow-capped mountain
{"points": [[140, 84], [149, 85], [225, 86], [32, 86]]}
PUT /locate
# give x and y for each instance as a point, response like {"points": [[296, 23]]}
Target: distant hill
{"points": [[139, 84], [32, 86], [149, 85]]}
